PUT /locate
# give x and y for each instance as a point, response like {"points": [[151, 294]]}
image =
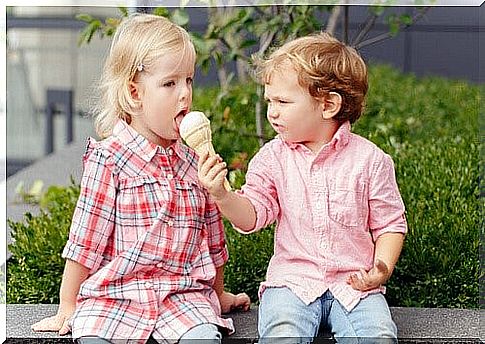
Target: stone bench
{"points": [[415, 325]]}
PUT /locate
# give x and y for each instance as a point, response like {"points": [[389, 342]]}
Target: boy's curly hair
{"points": [[324, 64]]}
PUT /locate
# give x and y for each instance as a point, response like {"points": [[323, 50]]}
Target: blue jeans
{"points": [[200, 334], [284, 318]]}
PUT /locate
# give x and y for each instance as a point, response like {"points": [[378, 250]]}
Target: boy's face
{"points": [[165, 95], [293, 113]]}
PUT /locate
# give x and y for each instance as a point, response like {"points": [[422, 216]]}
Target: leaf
{"points": [[180, 17], [161, 11], [84, 17]]}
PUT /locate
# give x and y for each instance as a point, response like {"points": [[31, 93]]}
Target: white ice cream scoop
{"points": [[195, 129]]}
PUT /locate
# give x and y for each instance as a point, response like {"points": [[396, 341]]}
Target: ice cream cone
{"points": [[196, 131]]}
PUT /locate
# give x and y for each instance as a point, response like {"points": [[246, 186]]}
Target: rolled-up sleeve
{"points": [[260, 188], [93, 219], [386, 207]]}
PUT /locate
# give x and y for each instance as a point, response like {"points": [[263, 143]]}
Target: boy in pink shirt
{"points": [[340, 217]]}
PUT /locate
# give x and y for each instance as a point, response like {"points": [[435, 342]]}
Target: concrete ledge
{"points": [[415, 325]]}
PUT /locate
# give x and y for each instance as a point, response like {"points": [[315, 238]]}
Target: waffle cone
{"points": [[199, 139]]}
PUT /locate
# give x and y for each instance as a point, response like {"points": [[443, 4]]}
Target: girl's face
{"points": [[165, 96], [293, 113]]}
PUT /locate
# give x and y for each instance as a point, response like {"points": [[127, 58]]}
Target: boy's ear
{"points": [[331, 105]]}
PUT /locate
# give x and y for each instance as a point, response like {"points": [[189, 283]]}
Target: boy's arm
{"points": [[74, 275], [387, 251], [236, 208]]}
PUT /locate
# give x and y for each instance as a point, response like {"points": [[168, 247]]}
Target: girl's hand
{"points": [[364, 280], [230, 302], [212, 173], [59, 322]]}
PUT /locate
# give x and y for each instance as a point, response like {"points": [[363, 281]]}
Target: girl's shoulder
{"points": [[108, 151]]}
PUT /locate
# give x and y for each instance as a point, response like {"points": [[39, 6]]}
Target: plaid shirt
{"points": [[151, 238]]}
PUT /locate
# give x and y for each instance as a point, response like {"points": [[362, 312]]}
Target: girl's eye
{"points": [[169, 84], [190, 81]]}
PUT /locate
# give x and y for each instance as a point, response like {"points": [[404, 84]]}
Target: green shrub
{"points": [[35, 270], [430, 128]]}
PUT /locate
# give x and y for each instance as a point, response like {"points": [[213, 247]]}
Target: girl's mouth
{"points": [[178, 119]]}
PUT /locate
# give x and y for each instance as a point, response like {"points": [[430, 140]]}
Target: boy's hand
{"points": [[230, 302], [212, 173], [59, 322], [364, 280]]}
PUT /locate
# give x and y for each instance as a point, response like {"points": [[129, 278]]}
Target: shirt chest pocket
{"points": [[347, 204]]}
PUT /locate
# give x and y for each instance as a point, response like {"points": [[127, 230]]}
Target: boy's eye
{"points": [[168, 84], [190, 81]]}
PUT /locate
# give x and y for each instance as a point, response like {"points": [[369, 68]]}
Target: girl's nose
{"points": [[185, 92]]}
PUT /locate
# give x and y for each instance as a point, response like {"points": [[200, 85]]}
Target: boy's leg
{"points": [[202, 334], [369, 322], [284, 318]]}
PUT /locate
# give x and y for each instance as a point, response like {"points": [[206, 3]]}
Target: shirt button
{"points": [[159, 265], [170, 223], [149, 285], [151, 322], [169, 176], [170, 151]]}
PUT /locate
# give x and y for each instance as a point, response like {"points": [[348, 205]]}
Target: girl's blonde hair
{"points": [[324, 64], [139, 41]]}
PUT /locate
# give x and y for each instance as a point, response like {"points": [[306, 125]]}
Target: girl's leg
{"points": [[369, 322], [284, 318], [92, 340], [202, 334]]}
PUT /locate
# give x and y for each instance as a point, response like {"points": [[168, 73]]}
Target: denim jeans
{"points": [[200, 334], [284, 318]]}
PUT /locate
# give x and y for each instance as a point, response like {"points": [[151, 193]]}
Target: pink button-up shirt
{"points": [[152, 239], [329, 207]]}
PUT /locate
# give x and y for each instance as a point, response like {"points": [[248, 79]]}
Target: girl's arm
{"points": [[74, 275], [237, 209], [228, 300]]}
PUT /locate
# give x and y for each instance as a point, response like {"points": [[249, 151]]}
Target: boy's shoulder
{"points": [[365, 147]]}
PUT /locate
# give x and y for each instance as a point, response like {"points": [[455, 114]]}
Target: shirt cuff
{"points": [[82, 255], [220, 258]]}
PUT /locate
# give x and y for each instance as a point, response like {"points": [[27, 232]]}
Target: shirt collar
{"points": [[338, 141], [139, 144]]}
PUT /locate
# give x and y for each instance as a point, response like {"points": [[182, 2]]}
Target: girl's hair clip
{"points": [[140, 67]]}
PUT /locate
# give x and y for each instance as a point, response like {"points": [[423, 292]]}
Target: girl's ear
{"points": [[134, 91], [331, 105]]}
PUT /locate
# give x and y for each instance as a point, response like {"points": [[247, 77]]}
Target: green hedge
{"points": [[430, 128]]}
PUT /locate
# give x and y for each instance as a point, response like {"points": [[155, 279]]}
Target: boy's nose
{"points": [[272, 113]]}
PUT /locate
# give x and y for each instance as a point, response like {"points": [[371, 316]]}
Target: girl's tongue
{"points": [[178, 120]]}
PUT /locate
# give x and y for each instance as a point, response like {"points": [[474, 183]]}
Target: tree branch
{"points": [[369, 24], [387, 35], [333, 20]]}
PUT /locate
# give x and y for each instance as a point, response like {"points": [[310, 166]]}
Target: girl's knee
{"points": [[202, 334]]}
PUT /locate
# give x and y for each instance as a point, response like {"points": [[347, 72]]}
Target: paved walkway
{"points": [[55, 169]]}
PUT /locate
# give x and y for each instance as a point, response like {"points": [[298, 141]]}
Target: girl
{"points": [[146, 248]]}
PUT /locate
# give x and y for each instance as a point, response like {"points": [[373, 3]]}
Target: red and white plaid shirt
{"points": [[151, 238]]}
